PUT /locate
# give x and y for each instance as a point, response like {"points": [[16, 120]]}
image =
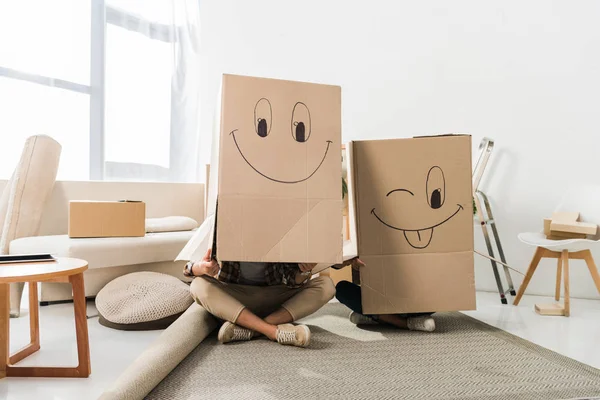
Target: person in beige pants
{"points": [[259, 298]]}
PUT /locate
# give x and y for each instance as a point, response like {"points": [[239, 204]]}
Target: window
{"points": [[139, 66], [40, 109], [135, 110], [44, 80], [96, 76], [48, 38]]}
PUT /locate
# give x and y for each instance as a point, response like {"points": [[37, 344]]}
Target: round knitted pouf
{"points": [[142, 301]]}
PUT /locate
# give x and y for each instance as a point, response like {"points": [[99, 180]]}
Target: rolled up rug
{"points": [[169, 349]]}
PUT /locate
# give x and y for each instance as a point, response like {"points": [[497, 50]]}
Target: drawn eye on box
{"points": [[434, 194]]}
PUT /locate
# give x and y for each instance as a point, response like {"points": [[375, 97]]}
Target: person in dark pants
{"points": [[348, 293]]}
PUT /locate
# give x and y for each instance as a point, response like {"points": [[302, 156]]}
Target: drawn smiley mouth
{"points": [[232, 133], [418, 238]]}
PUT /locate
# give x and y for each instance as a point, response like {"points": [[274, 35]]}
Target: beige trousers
{"points": [[226, 300]]}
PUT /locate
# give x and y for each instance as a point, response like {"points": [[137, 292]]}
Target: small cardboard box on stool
{"points": [[411, 219], [94, 219], [275, 190]]}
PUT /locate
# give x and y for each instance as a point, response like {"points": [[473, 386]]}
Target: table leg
{"points": [[34, 327], [83, 348], [81, 326], [34, 314], [4, 327]]}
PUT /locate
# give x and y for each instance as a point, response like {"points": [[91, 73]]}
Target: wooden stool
{"points": [[62, 270], [561, 269]]}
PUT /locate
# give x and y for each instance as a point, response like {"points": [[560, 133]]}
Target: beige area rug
{"points": [[463, 359]]}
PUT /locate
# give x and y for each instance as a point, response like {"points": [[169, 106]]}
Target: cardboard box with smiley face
{"points": [[411, 221], [275, 190]]}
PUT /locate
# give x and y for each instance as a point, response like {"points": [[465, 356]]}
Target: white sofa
{"points": [[109, 258]]}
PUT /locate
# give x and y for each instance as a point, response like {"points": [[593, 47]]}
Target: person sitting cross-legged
{"points": [[259, 298]]}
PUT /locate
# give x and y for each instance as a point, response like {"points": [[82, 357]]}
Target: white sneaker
{"points": [[295, 335], [360, 319], [231, 332], [425, 324]]}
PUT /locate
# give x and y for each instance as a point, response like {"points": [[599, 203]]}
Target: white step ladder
{"points": [[486, 220]]}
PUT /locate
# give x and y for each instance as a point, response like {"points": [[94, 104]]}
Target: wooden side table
{"points": [[62, 270]]}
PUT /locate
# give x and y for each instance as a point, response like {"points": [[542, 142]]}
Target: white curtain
{"points": [[116, 82], [152, 90]]}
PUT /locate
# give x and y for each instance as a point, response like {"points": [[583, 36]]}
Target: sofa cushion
{"points": [[26, 194], [107, 252], [142, 301], [170, 224]]}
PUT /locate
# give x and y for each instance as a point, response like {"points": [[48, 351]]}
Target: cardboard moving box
{"points": [[275, 190], [584, 228], [566, 225], [411, 217], [89, 219]]}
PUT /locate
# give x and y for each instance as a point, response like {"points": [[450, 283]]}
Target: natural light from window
{"points": [[38, 109], [100, 84], [50, 39], [138, 98]]}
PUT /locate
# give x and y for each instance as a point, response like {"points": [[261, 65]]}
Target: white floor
{"points": [[575, 337], [112, 351]]}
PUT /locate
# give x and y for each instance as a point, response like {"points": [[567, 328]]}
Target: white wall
{"points": [[526, 73]]}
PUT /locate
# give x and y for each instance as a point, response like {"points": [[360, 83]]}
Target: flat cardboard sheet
{"points": [[200, 242], [275, 185], [412, 223]]}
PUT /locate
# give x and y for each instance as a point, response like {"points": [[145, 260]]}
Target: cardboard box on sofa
{"points": [[411, 218], [89, 219]]}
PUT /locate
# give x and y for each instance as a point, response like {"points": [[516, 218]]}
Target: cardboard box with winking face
{"points": [[411, 220]]}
